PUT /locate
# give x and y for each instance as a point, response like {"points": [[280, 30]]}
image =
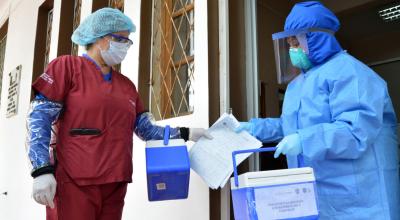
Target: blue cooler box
{"points": [[168, 169], [275, 194]]}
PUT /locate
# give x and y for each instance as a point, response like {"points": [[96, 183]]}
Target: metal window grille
{"points": [[2, 56], [48, 37], [172, 58], [77, 21], [117, 4]]}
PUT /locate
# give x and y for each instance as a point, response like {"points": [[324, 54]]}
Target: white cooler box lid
{"points": [[160, 143], [274, 177]]}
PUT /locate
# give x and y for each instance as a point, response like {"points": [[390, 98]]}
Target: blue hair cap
{"points": [[100, 23], [311, 14]]}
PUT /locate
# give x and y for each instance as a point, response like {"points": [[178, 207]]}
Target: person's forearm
{"points": [[41, 115], [146, 129], [267, 129]]}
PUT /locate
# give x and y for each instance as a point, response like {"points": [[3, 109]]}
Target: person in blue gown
{"points": [[337, 118]]}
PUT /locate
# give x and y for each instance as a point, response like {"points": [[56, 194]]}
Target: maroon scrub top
{"points": [[91, 102]]}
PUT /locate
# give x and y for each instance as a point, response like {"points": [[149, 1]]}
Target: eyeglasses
{"points": [[120, 39]]}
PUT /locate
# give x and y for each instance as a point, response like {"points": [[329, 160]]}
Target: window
{"points": [[3, 40], [70, 17], [118, 4], [43, 38], [172, 58], [48, 37], [76, 22]]}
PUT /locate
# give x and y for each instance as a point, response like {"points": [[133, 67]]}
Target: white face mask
{"points": [[115, 53]]}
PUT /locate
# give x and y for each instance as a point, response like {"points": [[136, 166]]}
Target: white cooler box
{"points": [[275, 194]]}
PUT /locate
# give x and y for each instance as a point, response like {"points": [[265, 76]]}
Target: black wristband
{"points": [[184, 133], [43, 170]]}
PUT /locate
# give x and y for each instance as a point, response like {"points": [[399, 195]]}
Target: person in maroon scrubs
{"points": [[95, 110]]}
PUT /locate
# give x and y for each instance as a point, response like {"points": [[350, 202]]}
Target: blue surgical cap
{"points": [[311, 14], [102, 22]]}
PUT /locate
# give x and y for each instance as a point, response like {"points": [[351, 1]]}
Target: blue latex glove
{"points": [[289, 145], [245, 126]]}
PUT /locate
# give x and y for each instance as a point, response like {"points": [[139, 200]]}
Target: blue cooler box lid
{"points": [[167, 158]]}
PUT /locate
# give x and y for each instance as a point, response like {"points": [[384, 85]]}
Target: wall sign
{"points": [[13, 92]]}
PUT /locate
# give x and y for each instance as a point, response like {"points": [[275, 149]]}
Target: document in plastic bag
{"points": [[212, 159]]}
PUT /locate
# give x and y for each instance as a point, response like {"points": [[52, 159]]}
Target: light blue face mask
{"points": [[299, 58], [115, 53]]}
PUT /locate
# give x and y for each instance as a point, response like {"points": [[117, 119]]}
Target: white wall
{"points": [[14, 168]]}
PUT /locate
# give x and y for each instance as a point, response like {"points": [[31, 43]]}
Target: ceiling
{"points": [[364, 22], [346, 6], [359, 18]]}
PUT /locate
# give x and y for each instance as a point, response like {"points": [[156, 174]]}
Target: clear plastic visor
{"points": [[285, 69]]}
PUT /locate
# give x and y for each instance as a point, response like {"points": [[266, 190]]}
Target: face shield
{"points": [[291, 53]]}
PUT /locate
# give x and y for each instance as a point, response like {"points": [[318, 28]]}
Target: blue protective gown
{"points": [[343, 114]]}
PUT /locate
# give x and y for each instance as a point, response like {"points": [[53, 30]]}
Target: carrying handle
{"points": [[166, 134], [300, 159]]}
